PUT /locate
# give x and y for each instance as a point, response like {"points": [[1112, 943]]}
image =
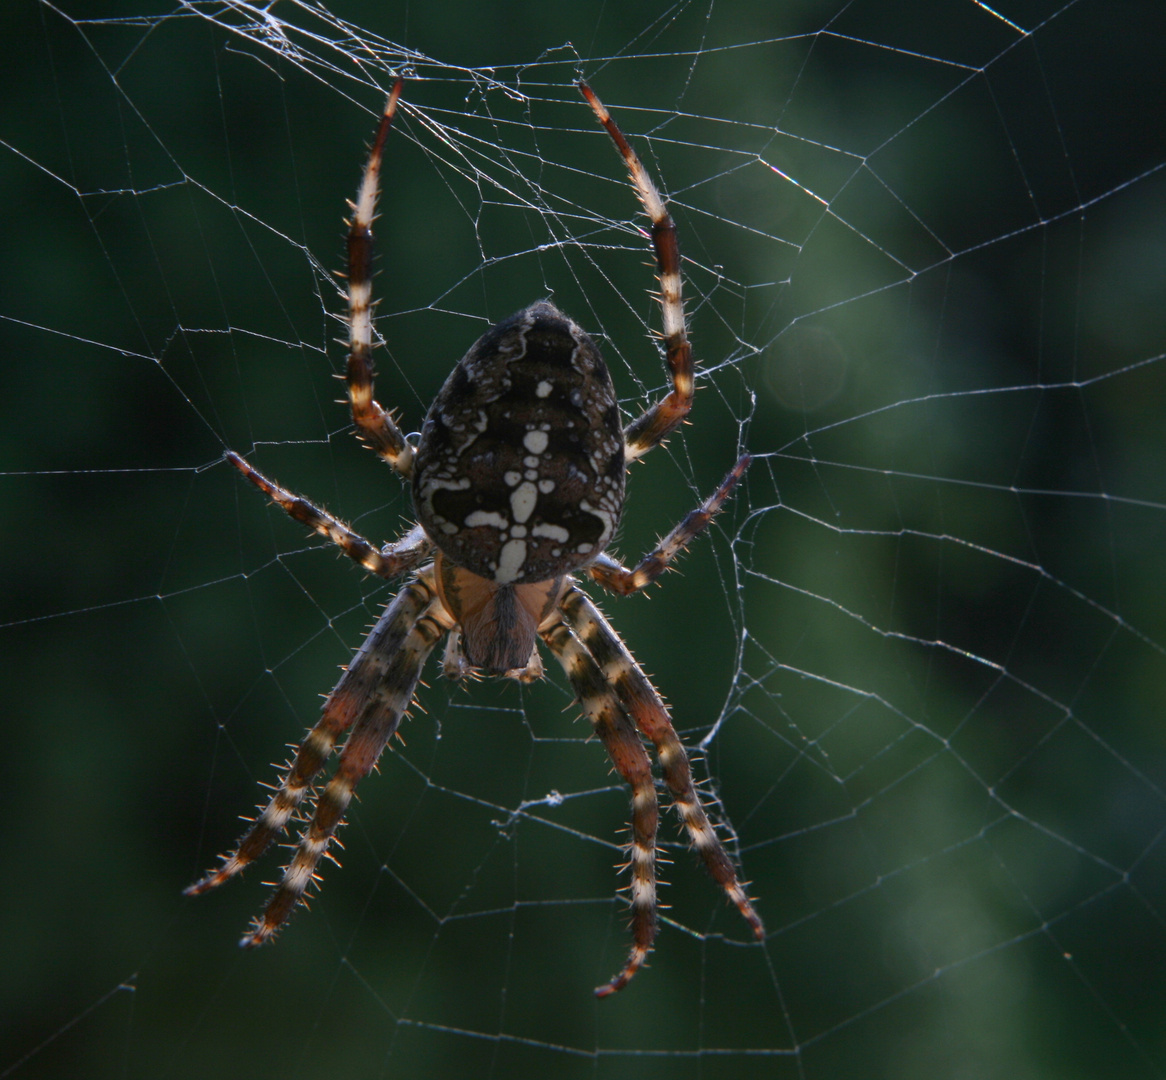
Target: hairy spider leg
{"points": [[390, 561], [664, 417], [619, 579], [394, 647], [373, 423], [622, 742], [624, 678], [397, 651]]}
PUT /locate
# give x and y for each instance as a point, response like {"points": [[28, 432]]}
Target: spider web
{"points": [[922, 653]]}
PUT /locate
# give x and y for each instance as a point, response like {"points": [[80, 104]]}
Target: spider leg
{"points": [[390, 661], [407, 553], [373, 423], [669, 412], [454, 665], [615, 728], [533, 672], [619, 579], [637, 696], [349, 700]]}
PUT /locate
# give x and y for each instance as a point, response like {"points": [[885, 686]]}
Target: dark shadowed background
{"points": [[924, 648]]}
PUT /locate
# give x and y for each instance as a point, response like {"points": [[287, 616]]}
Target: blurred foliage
{"points": [[925, 279]]}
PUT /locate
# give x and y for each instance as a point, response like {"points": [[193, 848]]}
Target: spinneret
{"points": [[518, 483]]}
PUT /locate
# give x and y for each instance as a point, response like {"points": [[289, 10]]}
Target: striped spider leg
{"points": [[517, 483], [667, 414], [370, 699], [618, 698], [378, 684], [373, 423]]}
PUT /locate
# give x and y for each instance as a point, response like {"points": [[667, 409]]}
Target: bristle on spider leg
{"points": [[391, 657], [662, 418], [272, 820], [638, 697], [373, 422], [301, 871], [619, 579], [618, 733], [385, 671]]}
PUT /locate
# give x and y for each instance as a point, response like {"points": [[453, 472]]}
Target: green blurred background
{"points": [[925, 279]]}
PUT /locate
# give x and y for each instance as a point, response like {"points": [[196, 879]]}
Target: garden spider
{"points": [[518, 483]]}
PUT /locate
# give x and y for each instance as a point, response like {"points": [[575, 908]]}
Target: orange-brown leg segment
{"points": [[622, 741], [372, 694], [373, 423], [619, 579], [641, 701], [400, 658], [669, 412], [407, 553]]}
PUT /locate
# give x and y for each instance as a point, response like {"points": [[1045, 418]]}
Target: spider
{"points": [[518, 484]]}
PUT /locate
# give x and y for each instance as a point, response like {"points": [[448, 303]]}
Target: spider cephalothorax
{"points": [[518, 484]]}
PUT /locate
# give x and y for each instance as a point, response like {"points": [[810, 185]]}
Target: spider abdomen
{"points": [[519, 474]]}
